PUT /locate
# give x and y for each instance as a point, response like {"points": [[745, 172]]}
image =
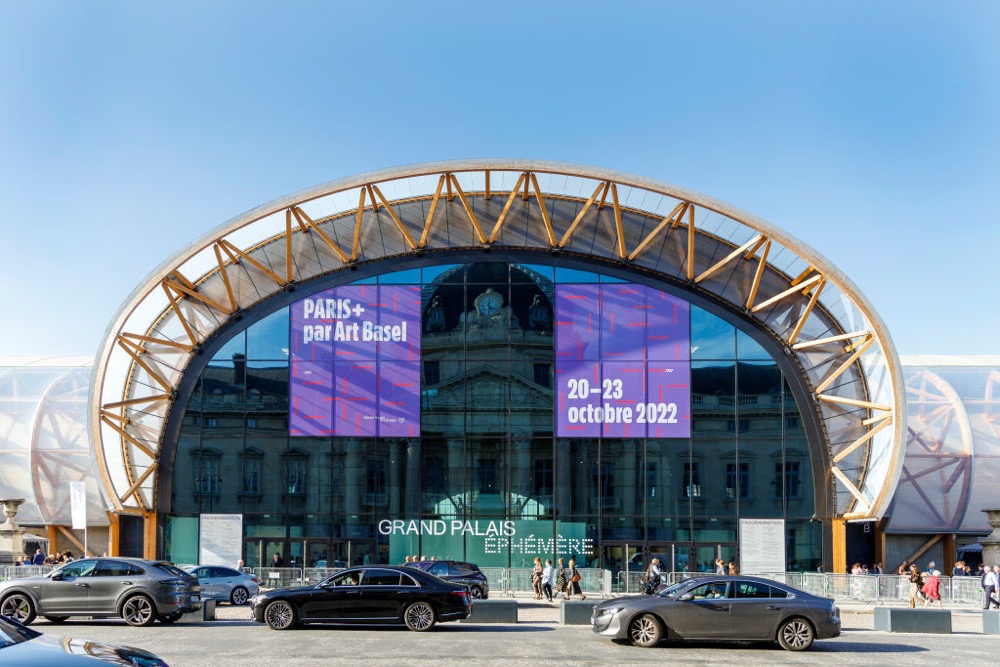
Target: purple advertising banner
{"points": [[355, 362], [623, 362]]}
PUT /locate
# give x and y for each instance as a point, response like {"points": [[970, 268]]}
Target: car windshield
{"points": [[671, 590], [13, 633]]}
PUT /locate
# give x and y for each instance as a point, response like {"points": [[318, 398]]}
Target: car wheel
{"points": [[796, 634], [239, 595], [645, 631], [172, 617], [19, 607], [56, 619], [138, 610], [279, 615], [477, 593], [419, 617]]}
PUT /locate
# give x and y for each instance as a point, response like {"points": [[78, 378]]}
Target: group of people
{"points": [[563, 579], [41, 559], [862, 568], [926, 585]]}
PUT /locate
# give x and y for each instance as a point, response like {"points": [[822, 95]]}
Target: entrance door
{"points": [[624, 560]]}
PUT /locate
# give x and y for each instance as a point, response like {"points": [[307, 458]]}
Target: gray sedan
{"points": [[225, 583], [720, 608]]}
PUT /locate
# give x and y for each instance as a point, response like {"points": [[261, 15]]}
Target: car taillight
{"points": [[463, 595], [255, 580]]}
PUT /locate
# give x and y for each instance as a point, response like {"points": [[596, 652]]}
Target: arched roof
{"points": [[632, 223]]}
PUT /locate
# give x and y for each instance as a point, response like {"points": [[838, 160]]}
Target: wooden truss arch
{"points": [[769, 277]]}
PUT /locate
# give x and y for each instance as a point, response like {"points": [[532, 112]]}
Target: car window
{"points": [[14, 633], [713, 590], [381, 578], [115, 568], [751, 589], [223, 572], [80, 568], [201, 572], [460, 569], [407, 580], [171, 569], [351, 578], [439, 569]]}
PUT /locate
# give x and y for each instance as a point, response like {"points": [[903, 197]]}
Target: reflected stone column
{"points": [[563, 474], [456, 471], [354, 477], [413, 485], [11, 534], [395, 463], [520, 470], [991, 543]]}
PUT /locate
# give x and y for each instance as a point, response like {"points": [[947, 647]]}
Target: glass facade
{"points": [[487, 478]]}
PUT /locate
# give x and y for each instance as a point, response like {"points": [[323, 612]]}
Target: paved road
{"points": [[235, 641]]}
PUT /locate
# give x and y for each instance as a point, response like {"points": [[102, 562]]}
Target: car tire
{"points": [[796, 634], [419, 616], [645, 631], [139, 611], [280, 615], [171, 618], [477, 593], [19, 607], [56, 620], [239, 596]]}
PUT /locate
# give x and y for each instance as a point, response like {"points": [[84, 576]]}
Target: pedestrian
{"points": [[239, 564], [720, 566], [67, 557], [733, 569], [573, 586], [548, 578], [407, 561], [536, 578], [39, 558], [916, 583], [561, 578], [653, 573], [932, 589], [276, 560], [989, 584]]}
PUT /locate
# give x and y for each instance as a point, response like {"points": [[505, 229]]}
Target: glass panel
{"points": [[711, 336], [268, 339], [747, 348]]}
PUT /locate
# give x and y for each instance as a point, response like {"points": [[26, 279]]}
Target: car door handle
{"points": [[82, 585], [773, 607], [126, 583]]}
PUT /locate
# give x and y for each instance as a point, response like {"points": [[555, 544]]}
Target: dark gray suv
{"points": [[139, 591]]}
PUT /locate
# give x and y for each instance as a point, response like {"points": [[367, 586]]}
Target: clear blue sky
{"points": [[870, 130]]}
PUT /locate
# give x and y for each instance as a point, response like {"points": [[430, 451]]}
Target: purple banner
{"points": [[622, 362], [355, 362]]}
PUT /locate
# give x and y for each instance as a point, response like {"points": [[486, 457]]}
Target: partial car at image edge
{"points": [[21, 646], [720, 608], [225, 584]]}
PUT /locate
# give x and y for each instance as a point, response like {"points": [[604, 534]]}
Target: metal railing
{"points": [[510, 582]]}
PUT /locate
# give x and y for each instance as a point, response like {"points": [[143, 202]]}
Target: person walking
{"points": [[561, 578], [916, 582], [932, 589], [536, 578], [573, 586], [989, 583], [548, 578]]}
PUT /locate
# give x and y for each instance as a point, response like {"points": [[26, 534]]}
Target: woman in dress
{"points": [[561, 578], [536, 578], [932, 589], [916, 582], [573, 587]]}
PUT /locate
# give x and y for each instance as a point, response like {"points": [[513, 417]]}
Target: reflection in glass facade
{"points": [[487, 479]]}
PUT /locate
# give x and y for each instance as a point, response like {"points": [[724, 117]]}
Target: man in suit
{"points": [[38, 558]]}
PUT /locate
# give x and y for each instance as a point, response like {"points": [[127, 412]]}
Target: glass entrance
{"points": [[624, 560]]}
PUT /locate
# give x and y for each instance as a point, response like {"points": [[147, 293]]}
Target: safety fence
{"points": [[511, 582]]}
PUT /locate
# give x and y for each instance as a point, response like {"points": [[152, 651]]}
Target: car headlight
{"points": [[607, 611]]}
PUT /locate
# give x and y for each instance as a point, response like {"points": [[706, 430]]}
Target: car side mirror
{"points": [[687, 597], [56, 576]]}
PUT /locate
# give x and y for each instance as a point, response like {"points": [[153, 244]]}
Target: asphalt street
{"points": [[234, 640]]}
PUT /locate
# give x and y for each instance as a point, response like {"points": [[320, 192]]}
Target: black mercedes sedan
{"points": [[370, 595], [720, 608]]}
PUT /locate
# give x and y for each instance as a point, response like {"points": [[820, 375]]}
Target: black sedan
{"points": [[720, 608], [372, 595], [20, 646]]}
